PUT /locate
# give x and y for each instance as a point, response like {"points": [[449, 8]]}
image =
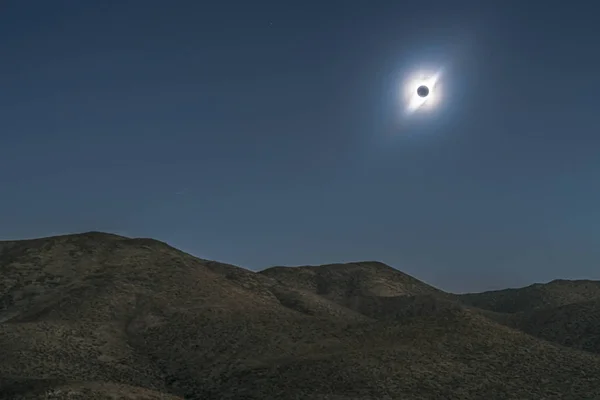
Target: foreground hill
{"points": [[97, 315]]}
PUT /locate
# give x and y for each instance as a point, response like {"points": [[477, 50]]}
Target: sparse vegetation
{"points": [[100, 316]]}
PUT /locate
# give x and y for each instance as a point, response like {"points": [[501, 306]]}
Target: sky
{"points": [[264, 133]]}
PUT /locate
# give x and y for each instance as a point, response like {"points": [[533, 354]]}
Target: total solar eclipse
{"points": [[423, 91]]}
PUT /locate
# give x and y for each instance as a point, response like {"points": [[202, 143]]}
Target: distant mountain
{"points": [[574, 325], [535, 297], [97, 315], [340, 282], [370, 288], [561, 311]]}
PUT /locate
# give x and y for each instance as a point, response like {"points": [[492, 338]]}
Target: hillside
{"points": [[340, 282], [561, 311], [574, 325], [100, 315], [535, 297]]}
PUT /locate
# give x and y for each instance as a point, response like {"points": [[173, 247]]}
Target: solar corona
{"points": [[421, 92]]}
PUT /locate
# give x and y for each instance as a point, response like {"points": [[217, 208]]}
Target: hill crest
{"points": [[102, 313]]}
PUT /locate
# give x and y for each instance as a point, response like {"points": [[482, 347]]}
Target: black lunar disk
{"points": [[422, 91]]}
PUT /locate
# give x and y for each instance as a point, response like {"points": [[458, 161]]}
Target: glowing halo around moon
{"points": [[421, 92]]}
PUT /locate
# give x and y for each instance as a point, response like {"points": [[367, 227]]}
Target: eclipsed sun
{"points": [[421, 92]]}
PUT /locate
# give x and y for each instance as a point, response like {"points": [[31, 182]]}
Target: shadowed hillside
{"points": [[97, 315], [343, 281], [561, 311], [554, 294], [574, 325]]}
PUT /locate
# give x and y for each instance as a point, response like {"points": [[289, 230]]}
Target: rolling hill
{"points": [[97, 315], [535, 297]]}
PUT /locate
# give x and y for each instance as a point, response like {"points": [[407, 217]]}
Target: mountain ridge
{"points": [[97, 314]]}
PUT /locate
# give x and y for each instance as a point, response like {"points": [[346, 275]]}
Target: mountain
{"points": [[369, 288], [574, 325], [340, 282], [97, 315], [538, 296], [561, 311]]}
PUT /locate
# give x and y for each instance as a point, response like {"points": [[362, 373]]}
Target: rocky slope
{"points": [[97, 315]]}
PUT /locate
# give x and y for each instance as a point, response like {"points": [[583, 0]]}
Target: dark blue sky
{"points": [[267, 133]]}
